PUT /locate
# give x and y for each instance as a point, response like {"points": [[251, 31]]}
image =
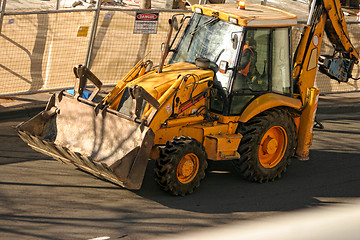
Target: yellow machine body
{"points": [[165, 113]]}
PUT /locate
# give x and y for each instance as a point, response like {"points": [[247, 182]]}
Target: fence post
{"points": [[93, 33], [57, 4], [2, 13], [144, 4]]}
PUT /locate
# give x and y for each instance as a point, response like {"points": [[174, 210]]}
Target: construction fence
{"points": [[323, 82], [38, 50]]}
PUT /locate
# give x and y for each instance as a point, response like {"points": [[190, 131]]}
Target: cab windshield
{"points": [[208, 37]]}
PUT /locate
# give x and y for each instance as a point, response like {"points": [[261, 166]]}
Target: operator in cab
{"points": [[246, 69]]}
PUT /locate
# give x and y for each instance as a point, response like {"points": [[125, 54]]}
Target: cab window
{"points": [[252, 66], [281, 61]]}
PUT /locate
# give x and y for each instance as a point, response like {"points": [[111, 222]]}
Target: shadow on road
{"points": [[13, 149], [40, 199], [326, 175]]}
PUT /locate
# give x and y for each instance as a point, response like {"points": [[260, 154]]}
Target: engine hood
{"points": [[157, 83]]}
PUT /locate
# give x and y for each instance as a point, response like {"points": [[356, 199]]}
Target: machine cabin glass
{"points": [[256, 60], [211, 38], [262, 66]]}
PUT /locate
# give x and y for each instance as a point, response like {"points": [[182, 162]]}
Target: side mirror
{"points": [[223, 66], [175, 23], [235, 41], [162, 48]]}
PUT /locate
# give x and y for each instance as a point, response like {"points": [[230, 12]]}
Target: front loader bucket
{"points": [[100, 142]]}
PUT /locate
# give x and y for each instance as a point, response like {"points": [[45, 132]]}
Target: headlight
{"points": [[198, 10], [233, 20]]}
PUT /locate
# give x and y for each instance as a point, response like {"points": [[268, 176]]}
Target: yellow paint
{"points": [[195, 130], [184, 121], [304, 70], [268, 101], [297, 122], [82, 31], [222, 147], [220, 144], [181, 80], [307, 119], [253, 15], [225, 119], [115, 95]]}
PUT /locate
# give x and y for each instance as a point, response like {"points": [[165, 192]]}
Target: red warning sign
{"points": [[146, 23]]}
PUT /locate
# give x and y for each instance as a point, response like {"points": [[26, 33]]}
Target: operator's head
{"points": [[251, 43]]}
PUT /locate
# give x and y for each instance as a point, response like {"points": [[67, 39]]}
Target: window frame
{"points": [[291, 80], [256, 94]]}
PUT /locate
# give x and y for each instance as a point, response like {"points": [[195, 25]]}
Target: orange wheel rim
{"points": [[187, 168], [272, 147]]}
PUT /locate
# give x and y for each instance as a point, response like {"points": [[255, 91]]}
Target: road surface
{"points": [[41, 198]]}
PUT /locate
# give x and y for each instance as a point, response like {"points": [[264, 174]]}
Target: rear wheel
{"points": [[181, 166], [268, 143]]}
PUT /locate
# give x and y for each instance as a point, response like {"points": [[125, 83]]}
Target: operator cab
{"points": [[248, 61]]}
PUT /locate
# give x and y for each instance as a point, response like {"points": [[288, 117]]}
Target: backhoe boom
{"points": [[325, 16]]}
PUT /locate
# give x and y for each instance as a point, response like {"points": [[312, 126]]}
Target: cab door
{"points": [[263, 66]]}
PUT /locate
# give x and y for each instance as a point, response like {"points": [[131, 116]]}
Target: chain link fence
{"points": [[39, 49], [323, 82]]}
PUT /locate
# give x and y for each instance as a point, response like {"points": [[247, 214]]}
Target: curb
{"points": [[33, 110], [328, 104], [21, 112], [338, 109]]}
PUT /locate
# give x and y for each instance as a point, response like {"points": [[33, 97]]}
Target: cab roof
{"points": [[254, 15]]}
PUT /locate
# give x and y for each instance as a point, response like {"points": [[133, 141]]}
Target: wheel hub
{"points": [[188, 168], [272, 146]]}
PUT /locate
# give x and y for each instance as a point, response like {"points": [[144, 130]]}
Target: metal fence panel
{"points": [[44, 48], [39, 50], [323, 82], [327, 85], [117, 49]]}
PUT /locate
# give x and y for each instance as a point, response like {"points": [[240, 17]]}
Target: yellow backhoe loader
{"points": [[232, 90]]}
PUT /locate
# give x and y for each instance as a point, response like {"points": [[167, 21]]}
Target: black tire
{"points": [[170, 165], [261, 158]]}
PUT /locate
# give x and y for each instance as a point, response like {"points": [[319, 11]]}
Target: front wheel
{"points": [[268, 143], [181, 166]]}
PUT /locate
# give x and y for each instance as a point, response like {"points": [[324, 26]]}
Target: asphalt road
{"points": [[41, 198]]}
